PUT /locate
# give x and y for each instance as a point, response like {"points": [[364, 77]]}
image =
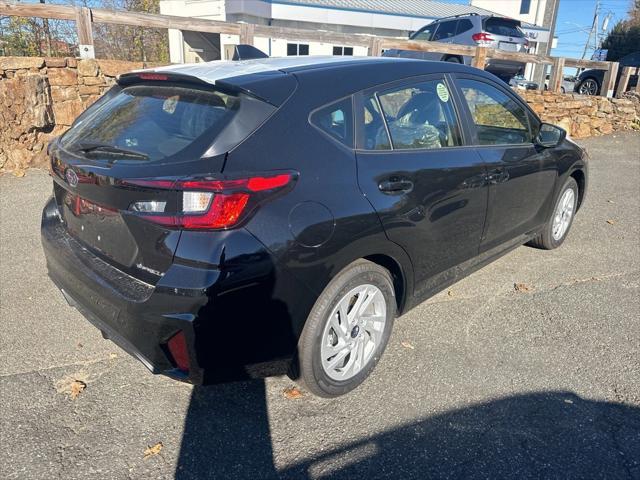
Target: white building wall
{"points": [[511, 8]]}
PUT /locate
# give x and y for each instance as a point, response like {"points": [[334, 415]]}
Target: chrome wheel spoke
{"points": [[338, 327]]}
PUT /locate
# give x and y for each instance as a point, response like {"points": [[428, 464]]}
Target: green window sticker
{"points": [[443, 92]]}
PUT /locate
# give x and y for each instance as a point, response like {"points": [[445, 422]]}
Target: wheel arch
{"points": [[579, 176], [397, 274]]}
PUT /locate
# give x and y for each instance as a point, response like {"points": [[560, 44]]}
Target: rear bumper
{"points": [[232, 310], [504, 67], [137, 316]]}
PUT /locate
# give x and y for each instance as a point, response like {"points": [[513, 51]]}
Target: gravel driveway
{"points": [[480, 381]]}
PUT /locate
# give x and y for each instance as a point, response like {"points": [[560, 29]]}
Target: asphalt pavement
{"points": [[481, 381]]}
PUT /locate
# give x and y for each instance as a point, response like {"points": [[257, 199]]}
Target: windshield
{"points": [[503, 26], [154, 122]]}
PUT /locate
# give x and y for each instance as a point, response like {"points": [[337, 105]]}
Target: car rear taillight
{"points": [[481, 38], [177, 346], [208, 203]]}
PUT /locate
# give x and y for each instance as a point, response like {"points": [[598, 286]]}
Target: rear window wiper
{"points": [[88, 148]]}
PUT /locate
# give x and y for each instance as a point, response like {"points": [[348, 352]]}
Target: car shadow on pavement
{"points": [[226, 434], [537, 435]]}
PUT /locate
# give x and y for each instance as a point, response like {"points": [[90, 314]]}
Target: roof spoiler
{"points": [[247, 52]]}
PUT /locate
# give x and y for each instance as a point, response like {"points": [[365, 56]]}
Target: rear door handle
{"points": [[395, 185]]}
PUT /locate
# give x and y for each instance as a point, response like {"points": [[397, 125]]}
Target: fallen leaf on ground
{"points": [[154, 450], [610, 201], [18, 173], [611, 222], [450, 293], [72, 385], [521, 287], [407, 345], [77, 387], [113, 355], [292, 393]]}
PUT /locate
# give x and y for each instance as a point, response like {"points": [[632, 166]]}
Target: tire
{"points": [[453, 60], [546, 240], [319, 338], [589, 86]]}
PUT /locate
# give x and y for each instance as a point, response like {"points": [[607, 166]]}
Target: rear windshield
{"points": [[156, 122], [503, 26]]}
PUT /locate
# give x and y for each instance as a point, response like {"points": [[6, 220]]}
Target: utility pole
{"points": [[594, 28]]}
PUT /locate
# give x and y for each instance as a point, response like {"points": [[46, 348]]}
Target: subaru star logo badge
{"points": [[72, 177]]}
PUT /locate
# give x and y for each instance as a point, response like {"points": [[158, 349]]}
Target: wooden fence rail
{"points": [[85, 17]]}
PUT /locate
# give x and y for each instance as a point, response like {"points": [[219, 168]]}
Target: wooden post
{"points": [[624, 81], [85, 32], [638, 81], [375, 47], [480, 58], [246, 33], [557, 74], [609, 81]]}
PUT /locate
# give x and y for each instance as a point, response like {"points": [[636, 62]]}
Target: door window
{"points": [[425, 33], [446, 30], [336, 120], [499, 119], [420, 116]]}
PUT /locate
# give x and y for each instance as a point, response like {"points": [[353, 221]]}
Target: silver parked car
{"points": [[476, 30]]}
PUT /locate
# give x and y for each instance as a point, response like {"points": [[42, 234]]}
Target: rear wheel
{"points": [[453, 60], [347, 330], [557, 227]]}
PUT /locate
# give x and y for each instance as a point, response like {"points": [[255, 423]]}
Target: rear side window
{"points": [[158, 122], [464, 25], [446, 30], [336, 120], [420, 116], [503, 26]]}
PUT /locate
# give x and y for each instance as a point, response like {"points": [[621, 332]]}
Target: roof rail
{"points": [[456, 16]]}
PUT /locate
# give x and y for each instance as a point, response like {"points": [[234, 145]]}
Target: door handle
{"points": [[497, 175], [395, 185]]}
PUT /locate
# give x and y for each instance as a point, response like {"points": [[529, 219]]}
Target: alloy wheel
{"points": [[353, 332], [589, 87], [563, 214]]}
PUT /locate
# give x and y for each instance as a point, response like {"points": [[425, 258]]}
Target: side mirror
{"points": [[550, 135]]}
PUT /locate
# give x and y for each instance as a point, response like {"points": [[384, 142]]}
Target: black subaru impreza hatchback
{"points": [[239, 219]]}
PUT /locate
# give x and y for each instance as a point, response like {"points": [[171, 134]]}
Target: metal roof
{"points": [[415, 8], [427, 9]]}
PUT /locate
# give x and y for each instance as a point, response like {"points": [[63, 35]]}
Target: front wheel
{"points": [[347, 330], [557, 227], [589, 86]]}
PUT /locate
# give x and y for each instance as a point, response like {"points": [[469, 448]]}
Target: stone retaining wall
{"points": [[40, 98], [583, 116]]}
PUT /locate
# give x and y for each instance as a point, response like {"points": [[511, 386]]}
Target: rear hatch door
{"points": [[507, 34], [160, 131]]}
